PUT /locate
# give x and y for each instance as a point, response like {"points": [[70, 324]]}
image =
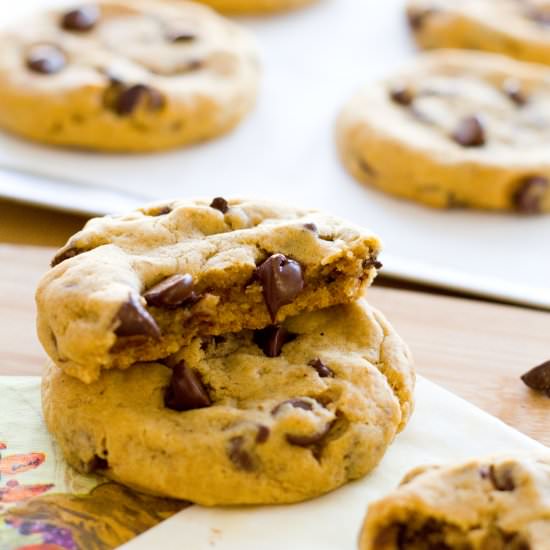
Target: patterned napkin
{"points": [[44, 503]]}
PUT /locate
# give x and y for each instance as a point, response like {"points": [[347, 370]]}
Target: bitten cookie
{"points": [[455, 129], [272, 416], [126, 75], [139, 287], [518, 28], [494, 504], [255, 6]]}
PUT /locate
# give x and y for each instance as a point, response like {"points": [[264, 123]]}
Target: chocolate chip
{"points": [[97, 463], [297, 403], [64, 254], [372, 262], [417, 19], [135, 320], [181, 35], [529, 195], [469, 132], [219, 203], [366, 168], [239, 456], [172, 292], [512, 88], [501, 479], [158, 211], [538, 378], [263, 434], [282, 280], [186, 390], [307, 440], [401, 95], [272, 339], [311, 227], [46, 59], [81, 19], [130, 98], [322, 370]]}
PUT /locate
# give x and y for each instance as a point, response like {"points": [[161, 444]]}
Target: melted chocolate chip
{"points": [[130, 98], [401, 95], [469, 132], [46, 59], [297, 403], [501, 479], [311, 227], [417, 19], [372, 262], [272, 339], [282, 280], [238, 455], [538, 378], [64, 254], [528, 197], [135, 320], [172, 292], [97, 463], [307, 440], [159, 211], [180, 36], [219, 203], [81, 19], [186, 390], [322, 370], [512, 88], [263, 434]]}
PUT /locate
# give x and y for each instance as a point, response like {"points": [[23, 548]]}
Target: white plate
{"points": [[313, 59]]}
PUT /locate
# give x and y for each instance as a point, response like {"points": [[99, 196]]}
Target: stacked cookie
{"points": [[221, 352]]}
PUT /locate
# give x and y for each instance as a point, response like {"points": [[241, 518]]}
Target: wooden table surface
{"points": [[475, 349]]}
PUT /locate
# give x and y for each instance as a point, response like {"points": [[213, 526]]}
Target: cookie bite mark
{"points": [[282, 280], [81, 19], [172, 292], [186, 390], [45, 59], [134, 320], [469, 132], [272, 339], [530, 195]]}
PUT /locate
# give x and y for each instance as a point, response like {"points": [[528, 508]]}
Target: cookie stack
{"points": [[221, 352]]}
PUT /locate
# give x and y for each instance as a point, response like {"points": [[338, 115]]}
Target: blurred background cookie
{"points": [[455, 129], [517, 28], [255, 6], [136, 75]]}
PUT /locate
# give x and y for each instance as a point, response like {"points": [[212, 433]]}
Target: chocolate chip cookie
{"points": [[518, 28], [455, 129], [272, 416], [126, 75], [138, 287], [495, 504]]}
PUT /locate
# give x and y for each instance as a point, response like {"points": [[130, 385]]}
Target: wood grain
{"points": [[475, 349]]}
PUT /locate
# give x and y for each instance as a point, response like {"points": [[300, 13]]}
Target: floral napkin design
{"points": [[44, 503]]}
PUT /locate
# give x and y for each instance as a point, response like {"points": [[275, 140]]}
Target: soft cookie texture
{"points": [[498, 503], [246, 418], [518, 28], [455, 129], [138, 287], [255, 6], [126, 75]]}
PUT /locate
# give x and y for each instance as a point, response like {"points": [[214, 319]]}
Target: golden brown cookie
{"points": [[454, 129], [126, 75], [271, 416]]}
